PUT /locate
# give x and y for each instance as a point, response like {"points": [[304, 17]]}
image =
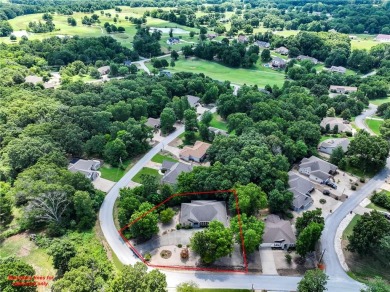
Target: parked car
{"points": [[387, 215], [331, 184]]}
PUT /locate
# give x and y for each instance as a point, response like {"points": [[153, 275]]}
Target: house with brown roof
{"points": [[278, 233], [195, 153], [342, 89], [385, 38], [343, 126], [282, 51]]}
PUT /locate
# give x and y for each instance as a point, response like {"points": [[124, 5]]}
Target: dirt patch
{"points": [[165, 254]]}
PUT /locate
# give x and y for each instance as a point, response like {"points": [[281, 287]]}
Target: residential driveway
{"points": [[153, 165], [103, 184], [267, 261], [172, 238], [173, 150]]}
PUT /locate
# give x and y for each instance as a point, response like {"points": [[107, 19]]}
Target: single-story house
{"points": [[127, 63], [211, 36], [329, 145], [301, 188], [332, 30], [338, 69], [173, 41], [282, 51], [166, 73], [87, 167], [217, 131], [302, 57], [383, 38], [261, 44], [200, 213], [278, 233], [278, 62], [317, 169], [173, 170], [242, 38], [342, 89], [153, 123], [195, 153], [33, 79], [104, 70], [193, 100], [342, 125]]}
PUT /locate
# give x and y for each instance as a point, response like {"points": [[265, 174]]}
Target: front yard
{"points": [[145, 170], [114, 173]]}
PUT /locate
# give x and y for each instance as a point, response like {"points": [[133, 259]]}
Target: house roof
{"points": [[302, 57], [277, 229], [316, 164], [33, 79], [242, 38], [335, 142], [174, 171], [278, 60], [203, 211], [338, 69], [383, 37], [151, 122], [86, 167], [300, 187], [262, 44], [343, 88], [218, 131], [300, 200], [198, 150], [103, 69], [343, 126], [167, 164], [192, 100], [282, 49]]}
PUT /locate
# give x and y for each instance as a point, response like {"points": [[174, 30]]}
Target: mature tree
{"points": [[385, 129], [167, 215], [214, 242], [210, 95], [187, 287], [187, 51], [85, 214], [376, 285], [174, 55], [5, 204], [337, 155], [308, 238], [307, 218], [313, 281], [128, 204], [167, 120], [115, 152], [190, 120], [114, 69], [145, 227], [265, 55], [123, 70], [15, 267], [207, 118], [252, 231], [82, 279], [331, 112], [137, 278], [367, 233], [5, 28], [62, 250], [251, 199], [280, 201], [368, 152], [383, 252]]}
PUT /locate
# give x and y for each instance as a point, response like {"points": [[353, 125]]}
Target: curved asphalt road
{"points": [[360, 120], [339, 280]]}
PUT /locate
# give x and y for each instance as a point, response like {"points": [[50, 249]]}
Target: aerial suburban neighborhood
{"points": [[160, 146]]}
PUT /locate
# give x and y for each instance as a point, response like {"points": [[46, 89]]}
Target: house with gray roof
{"points": [[278, 62], [173, 170], [311, 59], [301, 189], [104, 70], [282, 51], [342, 89], [200, 213], [193, 100], [87, 167], [278, 233], [217, 131], [343, 126], [338, 69], [262, 44], [327, 146], [317, 169]]}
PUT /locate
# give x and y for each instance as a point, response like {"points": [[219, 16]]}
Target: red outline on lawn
{"points": [[183, 267]]}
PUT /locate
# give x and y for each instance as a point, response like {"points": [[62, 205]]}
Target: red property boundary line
{"points": [[245, 270]]}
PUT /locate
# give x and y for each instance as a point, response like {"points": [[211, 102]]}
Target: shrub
{"points": [[167, 215], [353, 187], [362, 180], [322, 201], [288, 258], [382, 199], [148, 257], [184, 254], [178, 226], [289, 215], [179, 245]]}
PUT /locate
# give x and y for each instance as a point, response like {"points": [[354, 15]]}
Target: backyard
{"points": [[218, 123]]}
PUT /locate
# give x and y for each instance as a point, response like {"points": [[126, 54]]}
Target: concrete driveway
{"points": [[103, 184], [267, 261]]}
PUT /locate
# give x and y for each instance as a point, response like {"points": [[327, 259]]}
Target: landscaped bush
{"points": [[184, 254], [382, 199], [353, 187], [179, 245], [178, 226], [322, 201], [288, 258], [362, 180]]}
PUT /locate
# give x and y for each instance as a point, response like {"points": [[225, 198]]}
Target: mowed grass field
{"points": [[258, 75], [374, 125]]}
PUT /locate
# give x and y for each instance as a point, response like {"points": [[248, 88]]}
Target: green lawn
{"points": [[145, 170], [375, 207], [380, 101], [21, 247], [159, 158], [359, 172], [114, 173], [218, 123], [258, 75], [221, 290], [366, 42], [374, 125], [348, 231]]}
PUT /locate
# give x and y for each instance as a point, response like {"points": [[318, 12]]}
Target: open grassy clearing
{"points": [[21, 247], [374, 125], [114, 173], [221, 290], [159, 158], [380, 101], [145, 170], [258, 75], [218, 123], [364, 41]]}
